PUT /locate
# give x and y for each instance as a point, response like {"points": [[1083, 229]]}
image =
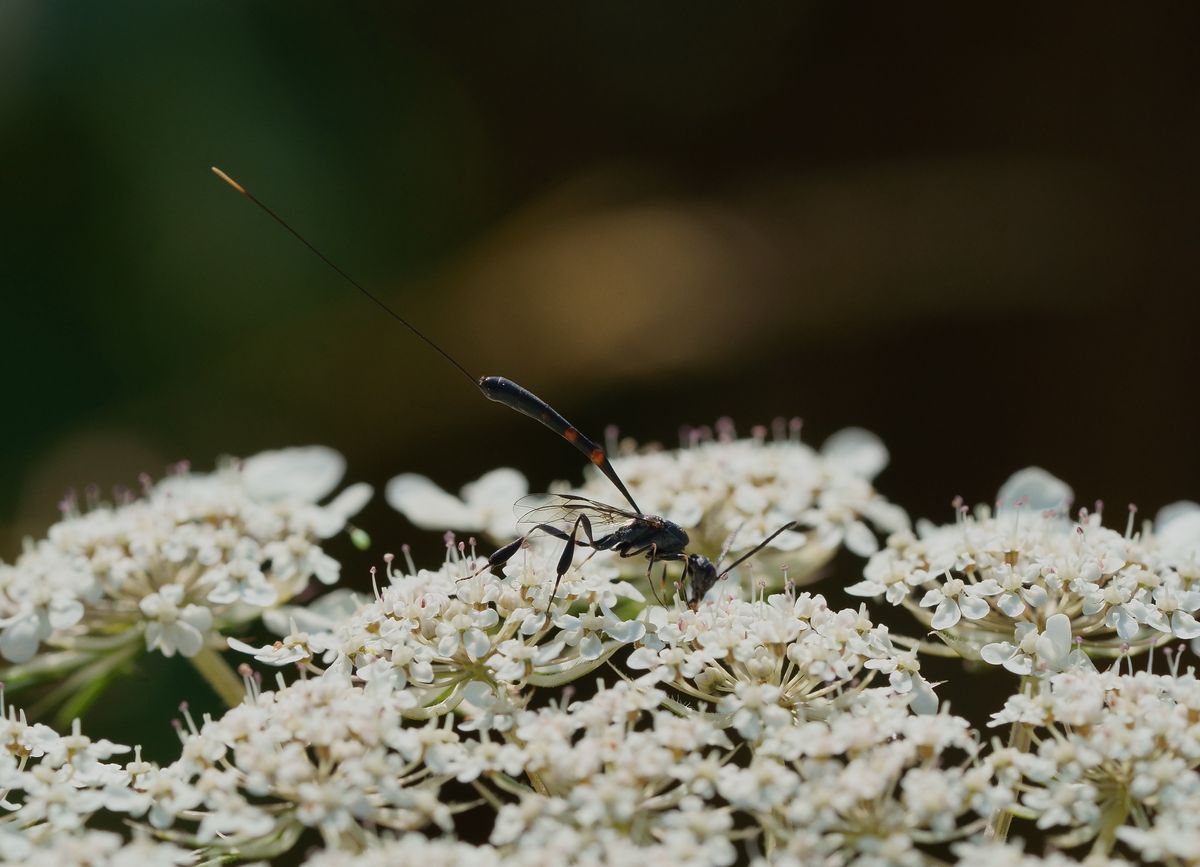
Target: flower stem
{"points": [[1020, 737], [1113, 817], [216, 671]]}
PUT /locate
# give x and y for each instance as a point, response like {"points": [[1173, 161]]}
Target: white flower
{"points": [[1034, 490], [196, 555], [742, 490], [105, 849], [956, 599], [486, 504], [1051, 650], [53, 784], [1177, 528], [307, 474], [987, 573], [323, 754], [1103, 735], [292, 648], [170, 627], [858, 450]]}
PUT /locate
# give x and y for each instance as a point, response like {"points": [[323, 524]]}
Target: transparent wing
{"points": [[562, 509]]}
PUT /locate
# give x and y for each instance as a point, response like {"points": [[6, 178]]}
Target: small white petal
{"points": [[865, 588], [1019, 664], [998, 653], [479, 693], [1177, 527], [1127, 626], [1058, 631], [504, 485], [1011, 604], [858, 450], [1035, 595], [627, 631], [901, 681], [308, 473], [972, 607], [65, 612], [182, 637], [477, 644], [643, 658], [19, 643], [428, 506], [351, 501], [922, 699], [590, 647], [1184, 625], [946, 615], [1036, 490], [860, 540]]}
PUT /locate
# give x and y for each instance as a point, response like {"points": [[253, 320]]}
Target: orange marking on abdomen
{"points": [[597, 456], [570, 434]]}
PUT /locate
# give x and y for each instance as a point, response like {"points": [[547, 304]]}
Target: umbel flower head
{"points": [[196, 554], [53, 784], [461, 634], [321, 754], [1114, 758], [1027, 587], [727, 493]]}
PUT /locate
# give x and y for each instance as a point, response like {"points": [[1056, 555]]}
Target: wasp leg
{"points": [[568, 554], [502, 555], [653, 555], [650, 560]]}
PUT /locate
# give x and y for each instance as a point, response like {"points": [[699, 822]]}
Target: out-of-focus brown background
{"points": [[972, 232]]}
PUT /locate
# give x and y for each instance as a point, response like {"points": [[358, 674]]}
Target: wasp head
{"points": [[703, 576]]}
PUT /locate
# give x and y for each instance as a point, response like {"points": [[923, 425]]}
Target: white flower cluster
{"points": [[764, 665], [319, 753], [574, 722], [1113, 756], [720, 489], [194, 556], [51, 785], [106, 849], [719, 486], [869, 786], [992, 854], [1025, 587], [614, 774], [461, 634], [612, 851]]}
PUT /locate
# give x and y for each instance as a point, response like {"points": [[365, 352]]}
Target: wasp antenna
{"points": [[375, 298], [790, 525], [220, 174]]}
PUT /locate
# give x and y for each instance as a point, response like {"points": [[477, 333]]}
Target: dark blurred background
{"points": [[971, 233]]}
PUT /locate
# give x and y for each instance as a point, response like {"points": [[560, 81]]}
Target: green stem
{"points": [[926, 647], [1019, 738], [1113, 817], [81, 690], [216, 671]]}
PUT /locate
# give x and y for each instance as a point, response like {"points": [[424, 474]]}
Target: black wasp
{"points": [[630, 534], [603, 527]]}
